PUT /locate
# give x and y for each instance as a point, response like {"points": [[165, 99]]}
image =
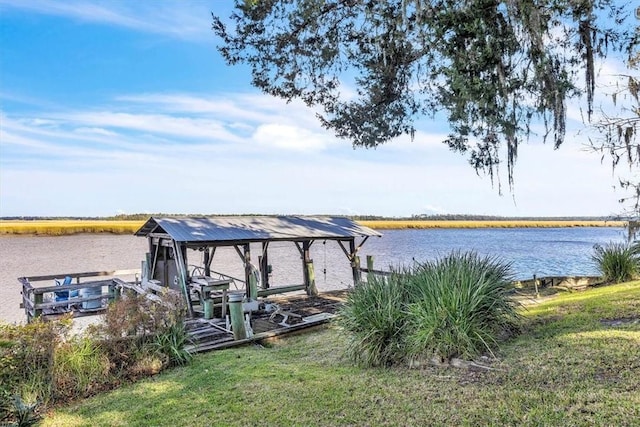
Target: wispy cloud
{"points": [[250, 153], [172, 18]]}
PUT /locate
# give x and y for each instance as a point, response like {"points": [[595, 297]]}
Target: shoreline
{"points": [[72, 227]]}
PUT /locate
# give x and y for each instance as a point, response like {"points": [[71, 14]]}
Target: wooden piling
{"points": [[311, 288]]}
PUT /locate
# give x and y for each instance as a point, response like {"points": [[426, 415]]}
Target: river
{"points": [[540, 251]]}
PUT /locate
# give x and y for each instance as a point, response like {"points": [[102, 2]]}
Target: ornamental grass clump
{"points": [[457, 306], [617, 261], [374, 318]]}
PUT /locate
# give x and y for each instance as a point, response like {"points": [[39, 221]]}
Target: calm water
{"points": [[544, 252]]}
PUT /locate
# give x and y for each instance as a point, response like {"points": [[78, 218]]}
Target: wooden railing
{"points": [[55, 300]]}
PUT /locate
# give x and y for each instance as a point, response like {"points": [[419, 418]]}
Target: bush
{"points": [[374, 318], [142, 337], [171, 342], [617, 262], [27, 360], [457, 306], [41, 363], [80, 368]]}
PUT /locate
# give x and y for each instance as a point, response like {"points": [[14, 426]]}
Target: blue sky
{"points": [[126, 107]]}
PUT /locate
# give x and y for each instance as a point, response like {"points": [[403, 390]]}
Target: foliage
{"points": [[24, 412], [27, 360], [460, 306], [80, 368], [138, 334], [41, 362], [456, 306], [492, 67], [171, 341], [567, 368], [374, 318], [618, 131], [520, 223], [618, 262], [136, 315]]}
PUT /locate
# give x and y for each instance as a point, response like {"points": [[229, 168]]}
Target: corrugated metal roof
{"points": [[255, 228]]}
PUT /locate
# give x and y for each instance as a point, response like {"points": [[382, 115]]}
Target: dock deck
{"points": [[294, 313]]}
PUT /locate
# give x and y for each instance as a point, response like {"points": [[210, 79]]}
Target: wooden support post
{"points": [[369, 263], [311, 289], [355, 262], [37, 299], [181, 265], [264, 265], [306, 258], [207, 267], [207, 262], [114, 295], [237, 316], [247, 270]]}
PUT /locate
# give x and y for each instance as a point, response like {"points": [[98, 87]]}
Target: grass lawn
{"points": [[577, 363]]}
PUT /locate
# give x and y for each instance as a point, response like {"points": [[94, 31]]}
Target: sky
{"points": [[122, 107]]}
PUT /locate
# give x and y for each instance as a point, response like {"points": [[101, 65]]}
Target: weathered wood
{"points": [[67, 302], [182, 273], [311, 289], [158, 288], [260, 336], [80, 275], [281, 290], [72, 287], [378, 272]]}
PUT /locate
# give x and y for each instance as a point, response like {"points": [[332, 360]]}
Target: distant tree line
{"points": [[414, 217]]}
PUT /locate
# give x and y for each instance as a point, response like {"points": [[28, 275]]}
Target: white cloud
{"points": [[185, 127], [95, 131], [253, 156], [172, 18], [289, 137]]}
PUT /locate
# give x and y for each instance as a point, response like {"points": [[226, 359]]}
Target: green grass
{"points": [[567, 368]]}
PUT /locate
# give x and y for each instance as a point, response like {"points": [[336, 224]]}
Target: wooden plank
{"points": [[65, 303], [74, 286], [372, 271], [259, 337], [281, 290], [80, 275], [159, 288]]}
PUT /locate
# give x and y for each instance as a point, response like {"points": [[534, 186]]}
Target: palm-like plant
{"points": [[617, 261], [457, 306]]}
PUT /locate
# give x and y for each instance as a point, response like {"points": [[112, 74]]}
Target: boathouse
{"points": [[174, 241]]}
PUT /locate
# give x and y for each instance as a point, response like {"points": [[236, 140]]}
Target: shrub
{"points": [[26, 360], [618, 262], [80, 368], [457, 306], [24, 412], [40, 362], [139, 335], [374, 318], [171, 342]]}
